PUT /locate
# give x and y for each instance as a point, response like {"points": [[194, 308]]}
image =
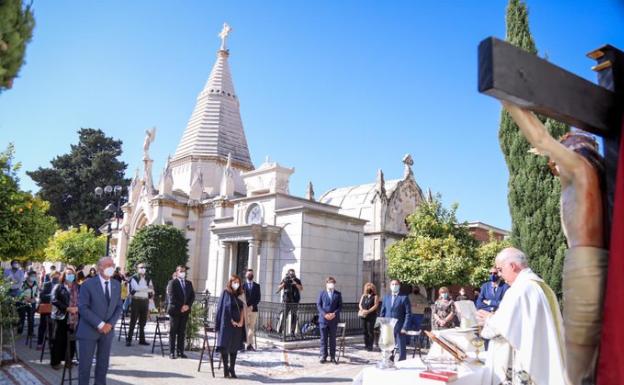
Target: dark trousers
{"points": [[87, 351], [59, 344], [138, 310], [43, 327], [177, 330], [401, 344], [328, 337], [290, 310], [26, 311], [369, 332]]}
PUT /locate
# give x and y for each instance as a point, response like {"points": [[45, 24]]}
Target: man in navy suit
{"points": [[492, 292], [397, 306], [180, 298], [99, 307], [252, 296], [329, 305]]}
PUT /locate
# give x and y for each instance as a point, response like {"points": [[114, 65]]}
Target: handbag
{"points": [[361, 314], [44, 308]]}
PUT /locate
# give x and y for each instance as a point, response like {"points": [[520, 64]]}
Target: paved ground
{"points": [[136, 366]]}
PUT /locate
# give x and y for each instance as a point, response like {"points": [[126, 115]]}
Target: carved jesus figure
{"points": [[577, 162]]}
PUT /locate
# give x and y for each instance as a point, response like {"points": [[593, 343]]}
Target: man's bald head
{"points": [[510, 262]]}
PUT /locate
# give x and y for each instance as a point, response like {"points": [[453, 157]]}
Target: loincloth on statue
{"points": [[584, 275]]}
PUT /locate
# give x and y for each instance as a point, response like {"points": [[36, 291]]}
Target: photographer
{"points": [[291, 295]]}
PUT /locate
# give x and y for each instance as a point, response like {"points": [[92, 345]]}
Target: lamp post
{"points": [[114, 196]]}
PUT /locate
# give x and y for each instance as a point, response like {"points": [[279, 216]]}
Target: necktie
{"points": [[392, 302], [183, 289], [106, 292]]}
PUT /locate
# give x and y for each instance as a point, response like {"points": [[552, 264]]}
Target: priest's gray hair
{"points": [[511, 254]]}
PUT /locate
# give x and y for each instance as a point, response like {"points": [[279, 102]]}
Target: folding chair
{"points": [[206, 346], [414, 335], [343, 339], [123, 327], [47, 337], [158, 333]]}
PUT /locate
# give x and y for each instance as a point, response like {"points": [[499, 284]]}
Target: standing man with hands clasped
{"points": [[141, 290], [99, 306], [252, 296], [329, 305], [180, 295]]}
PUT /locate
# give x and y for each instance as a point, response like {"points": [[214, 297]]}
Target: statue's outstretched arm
{"points": [[538, 136]]}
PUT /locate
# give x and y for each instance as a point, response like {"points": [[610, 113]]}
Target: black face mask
{"points": [[250, 277]]}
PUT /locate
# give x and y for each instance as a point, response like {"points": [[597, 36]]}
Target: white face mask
{"points": [[330, 286], [394, 288], [141, 270], [235, 285], [109, 271], [181, 274]]}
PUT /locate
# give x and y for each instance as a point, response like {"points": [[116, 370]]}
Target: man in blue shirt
{"points": [[15, 276], [492, 293]]}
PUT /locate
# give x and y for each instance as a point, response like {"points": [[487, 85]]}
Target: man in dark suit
{"points": [[252, 297], [99, 307], [180, 297], [492, 292], [329, 305], [397, 306]]}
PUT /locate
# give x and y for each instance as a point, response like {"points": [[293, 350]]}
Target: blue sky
{"points": [[335, 89]]}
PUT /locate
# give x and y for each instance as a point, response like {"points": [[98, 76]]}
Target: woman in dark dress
{"points": [[230, 325], [65, 315], [369, 303]]}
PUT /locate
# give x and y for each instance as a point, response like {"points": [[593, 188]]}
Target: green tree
{"points": [[16, 26], [484, 259], [69, 184], [438, 250], [25, 226], [161, 248], [76, 246], [533, 191]]}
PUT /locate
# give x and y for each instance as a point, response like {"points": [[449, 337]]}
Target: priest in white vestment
{"points": [[526, 332]]}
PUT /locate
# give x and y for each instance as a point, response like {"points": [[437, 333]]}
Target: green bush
{"points": [[161, 248], [194, 324]]}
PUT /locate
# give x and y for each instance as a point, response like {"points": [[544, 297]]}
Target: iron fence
{"points": [[287, 321]]}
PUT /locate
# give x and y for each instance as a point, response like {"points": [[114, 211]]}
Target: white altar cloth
{"points": [[407, 373]]}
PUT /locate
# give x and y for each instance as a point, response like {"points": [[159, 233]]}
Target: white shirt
{"points": [[103, 284], [141, 289]]}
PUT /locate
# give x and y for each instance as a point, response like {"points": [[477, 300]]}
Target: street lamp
{"points": [[113, 194]]}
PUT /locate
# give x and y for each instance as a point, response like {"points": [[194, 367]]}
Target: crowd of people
{"points": [[100, 297]]}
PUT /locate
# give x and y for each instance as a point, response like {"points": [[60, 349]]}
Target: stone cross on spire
{"points": [[224, 34]]}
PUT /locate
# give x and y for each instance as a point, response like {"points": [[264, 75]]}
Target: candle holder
{"points": [[386, 341]]}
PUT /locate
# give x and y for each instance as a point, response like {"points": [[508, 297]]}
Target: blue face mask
{"points": [[493, 277], [32, 279], [70, 278]]}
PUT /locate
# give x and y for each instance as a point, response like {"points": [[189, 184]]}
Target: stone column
{"points": [[252, 255], [222, 265]]}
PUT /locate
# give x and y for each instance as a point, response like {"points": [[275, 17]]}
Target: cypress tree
{"points": [[533, 191], [16, 26]]}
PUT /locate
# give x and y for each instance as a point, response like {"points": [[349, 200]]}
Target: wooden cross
{"points": [[509, 73]]}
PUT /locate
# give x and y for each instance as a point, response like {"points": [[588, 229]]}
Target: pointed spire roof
{"points": [[215, 128]]}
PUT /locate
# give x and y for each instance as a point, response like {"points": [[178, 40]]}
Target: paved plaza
{"points": [[136, 365]]}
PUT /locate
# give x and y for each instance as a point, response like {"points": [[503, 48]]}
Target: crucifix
{"points": [[225, 32], [525, 84]]}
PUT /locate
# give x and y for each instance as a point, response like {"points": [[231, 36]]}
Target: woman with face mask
{"points": [[443, 313], [27, 303], [369, 305], [230, 325], [65, 315], [44, 306]]}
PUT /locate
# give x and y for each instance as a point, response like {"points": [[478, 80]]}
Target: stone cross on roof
{"points": [[224, 34]]}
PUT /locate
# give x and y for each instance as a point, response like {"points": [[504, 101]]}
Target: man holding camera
{"points": [[291, 295]]}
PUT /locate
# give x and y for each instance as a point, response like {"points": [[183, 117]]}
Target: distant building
{"points": [[481, 232]]}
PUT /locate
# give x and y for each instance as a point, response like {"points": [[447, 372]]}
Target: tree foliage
{"points": [[485, 255], [69, 184], [161, 248], [437, 251], [76, 246], [16, 26], [25, 226], [533, 191]]}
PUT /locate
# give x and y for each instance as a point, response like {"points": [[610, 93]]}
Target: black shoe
{"points": [[323, 360], [232, 373], [128, 343], [333, 360], [250, 347], [182, 355], [172, 356], [144, 343]]}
